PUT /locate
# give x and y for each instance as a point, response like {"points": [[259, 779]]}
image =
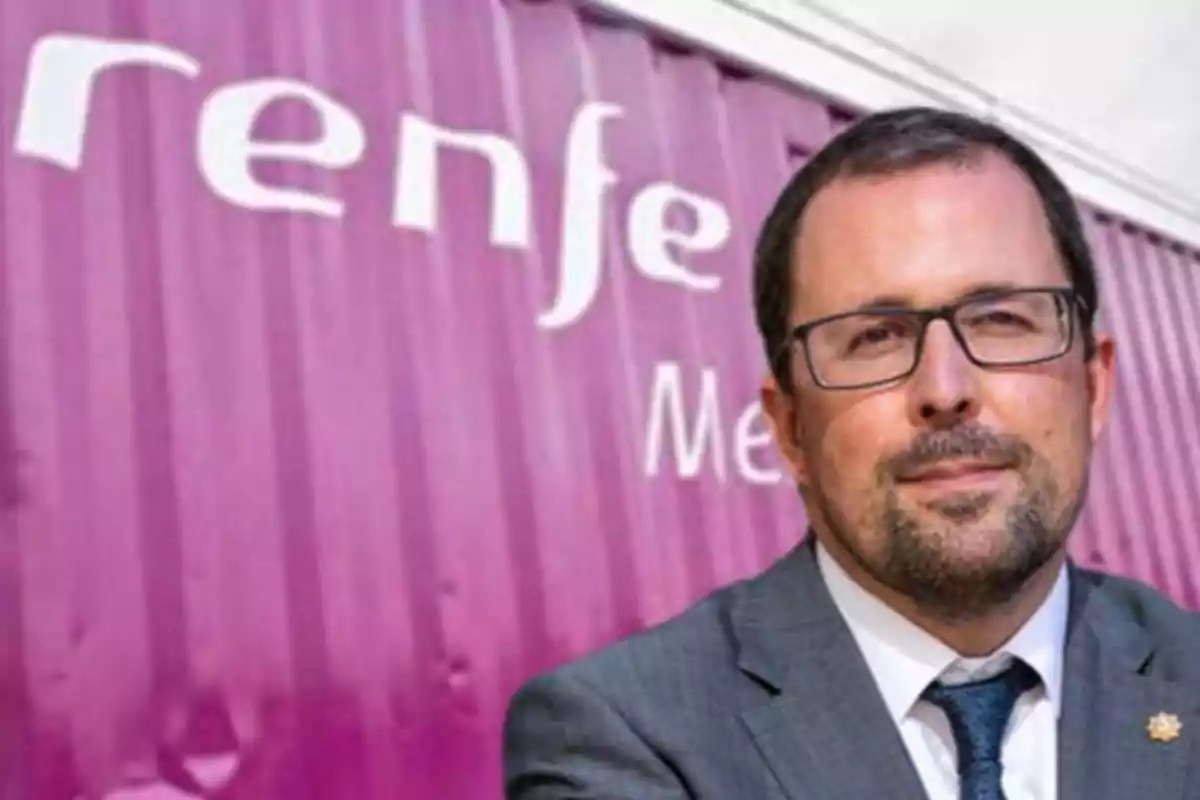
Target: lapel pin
{"points": [[1164, 727]]}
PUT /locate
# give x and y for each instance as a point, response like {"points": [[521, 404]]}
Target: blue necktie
{"points": [[979, 714]]}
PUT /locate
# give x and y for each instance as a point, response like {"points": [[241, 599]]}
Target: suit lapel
{"points": [[822, 726], [1106, 751]]}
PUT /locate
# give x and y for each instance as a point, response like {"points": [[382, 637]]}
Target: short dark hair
{"points": [[890, 142]]}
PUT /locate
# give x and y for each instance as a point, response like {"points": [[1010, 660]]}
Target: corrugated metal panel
{"points": [[317, 490], [1144, 518]]}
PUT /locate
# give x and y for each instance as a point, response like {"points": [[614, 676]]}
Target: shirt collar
{"points": [[904, 659]]}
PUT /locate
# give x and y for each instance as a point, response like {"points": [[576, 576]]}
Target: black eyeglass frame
{"points": [[1069, 297]]}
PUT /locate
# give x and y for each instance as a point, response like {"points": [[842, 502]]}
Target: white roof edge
{"points": [[814, 49]]}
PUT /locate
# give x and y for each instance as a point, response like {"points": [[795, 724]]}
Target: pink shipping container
{"points": [[355, 366]]}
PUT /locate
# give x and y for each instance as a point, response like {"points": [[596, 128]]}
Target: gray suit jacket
{"points": [[759, 691]]}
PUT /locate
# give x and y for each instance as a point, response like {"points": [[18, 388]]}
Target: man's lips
{"points": [[957, 474]]}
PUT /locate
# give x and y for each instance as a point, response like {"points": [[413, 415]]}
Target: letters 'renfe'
{"points": [[61, 82]]}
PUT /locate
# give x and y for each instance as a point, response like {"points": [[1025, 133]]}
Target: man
{"points": [[926, 300]]}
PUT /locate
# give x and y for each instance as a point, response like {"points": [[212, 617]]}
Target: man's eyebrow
{"points": [[895, 301], [884, 301]]}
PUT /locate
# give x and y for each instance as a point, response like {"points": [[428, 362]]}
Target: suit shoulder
{"points": [[694, 646], [1175, 630], [1146, 603]]}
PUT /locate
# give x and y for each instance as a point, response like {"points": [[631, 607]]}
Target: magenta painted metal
{"points": [[312, 453], [1144, 514]]}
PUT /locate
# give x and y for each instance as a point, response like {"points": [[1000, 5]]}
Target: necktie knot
{"points": [[979, 713]]}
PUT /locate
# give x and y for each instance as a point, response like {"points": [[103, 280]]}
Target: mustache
{"points": [[968, 440]]}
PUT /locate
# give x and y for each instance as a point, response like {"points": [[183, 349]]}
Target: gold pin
{"points": [[1164, 727]]}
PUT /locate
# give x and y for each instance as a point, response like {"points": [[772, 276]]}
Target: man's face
{"points": [[953, 486]]}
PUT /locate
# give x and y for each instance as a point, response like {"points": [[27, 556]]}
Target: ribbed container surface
{"points": [[357, 365]]}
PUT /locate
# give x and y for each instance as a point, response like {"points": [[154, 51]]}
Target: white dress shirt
{"points": [[904, 660]]}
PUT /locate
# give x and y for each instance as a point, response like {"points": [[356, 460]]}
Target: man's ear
{"points": [[1102, 372], [781, 409]]}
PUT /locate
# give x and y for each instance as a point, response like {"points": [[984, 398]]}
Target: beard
{"points": [[923, 553]]}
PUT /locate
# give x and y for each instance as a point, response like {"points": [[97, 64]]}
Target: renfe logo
{"points": [[52, 126]]}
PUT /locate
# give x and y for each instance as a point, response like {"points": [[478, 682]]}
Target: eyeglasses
{"points": [[861, 349]]}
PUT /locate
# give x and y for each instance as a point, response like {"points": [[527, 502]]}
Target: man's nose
{"points": [[943, 390]]}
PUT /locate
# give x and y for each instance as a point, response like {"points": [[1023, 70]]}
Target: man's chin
{"points": [[959, 534], [949, 517]]}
